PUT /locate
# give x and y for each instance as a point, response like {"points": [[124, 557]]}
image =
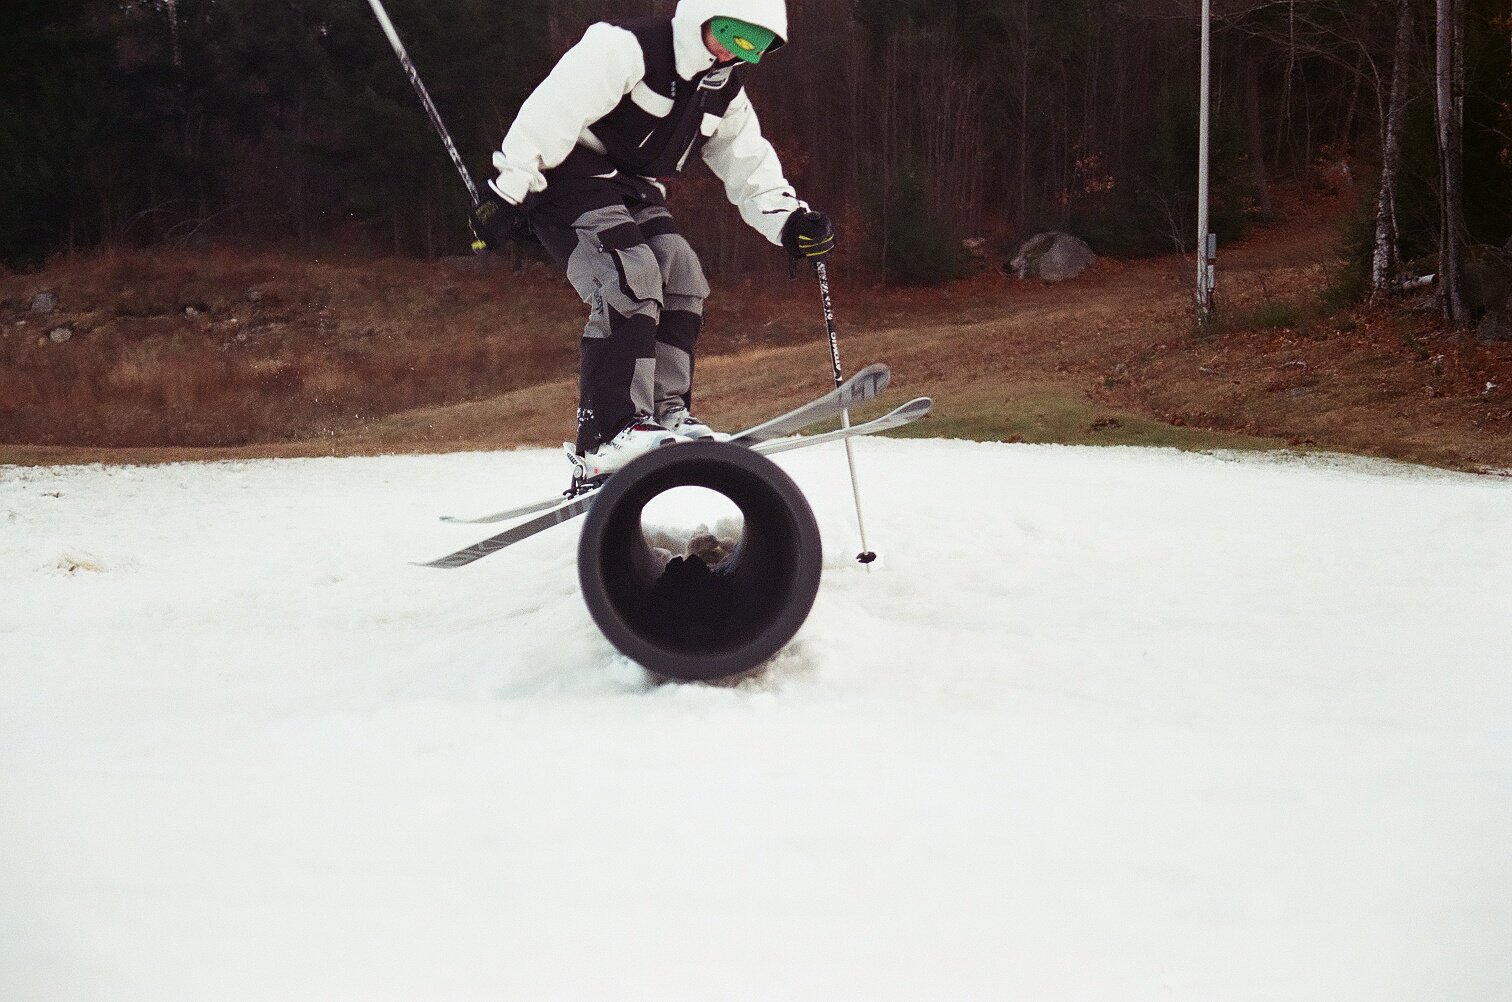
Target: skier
{"points": [[633, 101]]}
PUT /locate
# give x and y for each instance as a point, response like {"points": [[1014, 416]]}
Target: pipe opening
{"points": [[692, 521]]}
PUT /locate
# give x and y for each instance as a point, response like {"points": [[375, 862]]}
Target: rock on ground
{"points": [[1051, 257]]}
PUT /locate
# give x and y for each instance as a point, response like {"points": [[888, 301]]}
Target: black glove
{"points": [[495, 222], [808, 234]]}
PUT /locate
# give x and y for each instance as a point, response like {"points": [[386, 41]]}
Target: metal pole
{"points": [[425, 98], [866, 556], [1204, 271]]}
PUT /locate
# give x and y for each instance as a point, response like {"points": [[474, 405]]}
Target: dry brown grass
{"points": [[226, 348], [305, 357]]}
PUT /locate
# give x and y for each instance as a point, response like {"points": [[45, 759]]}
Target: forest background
{"points": [[916, 123], [227, 225]]}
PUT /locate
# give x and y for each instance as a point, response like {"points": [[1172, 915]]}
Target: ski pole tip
{"points": [[866, 556]]}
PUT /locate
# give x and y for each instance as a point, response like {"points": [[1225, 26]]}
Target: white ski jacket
{"points": [[607, 67]]}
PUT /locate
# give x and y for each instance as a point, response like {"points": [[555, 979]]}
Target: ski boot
{"points": [[637, 438], [681, 423]]}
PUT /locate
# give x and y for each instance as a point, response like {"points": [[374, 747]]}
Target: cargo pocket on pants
{"points": [[634, 263]]}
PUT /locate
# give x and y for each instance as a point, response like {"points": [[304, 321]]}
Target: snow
{"points": [[1099, 724]]}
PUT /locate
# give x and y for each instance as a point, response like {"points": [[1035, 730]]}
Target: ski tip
{"points": [[446, 563]]}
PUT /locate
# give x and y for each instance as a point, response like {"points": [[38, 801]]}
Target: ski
{"points": [[860, 388], [506, 514], [572, 508], [895, 418], [564, 510]]}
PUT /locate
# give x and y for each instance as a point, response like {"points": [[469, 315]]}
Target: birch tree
{"points": [[1384, 260]]}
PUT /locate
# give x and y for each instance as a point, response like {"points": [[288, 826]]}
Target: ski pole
{"points": [[430, 108], [866, 556]]}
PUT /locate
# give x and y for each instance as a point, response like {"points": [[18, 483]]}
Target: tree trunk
{"points": [[1449, 93], [1384, 263], [1346, 131], [1023, 123], [1284, 133], [1255, 125], [303, 229]]}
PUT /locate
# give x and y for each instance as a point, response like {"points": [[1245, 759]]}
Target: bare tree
{"points": [[1384, 259], [1254, 124], [1449, 90]]}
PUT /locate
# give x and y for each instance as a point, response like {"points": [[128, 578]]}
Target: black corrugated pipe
{"points": [[687, 620]]}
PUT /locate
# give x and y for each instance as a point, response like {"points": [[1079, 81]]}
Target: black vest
{"points": [[663, 141]]}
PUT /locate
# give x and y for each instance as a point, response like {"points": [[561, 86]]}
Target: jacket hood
{"points": [[687, 27]]}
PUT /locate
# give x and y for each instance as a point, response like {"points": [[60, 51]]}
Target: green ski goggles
{"points": [[744, 40]]}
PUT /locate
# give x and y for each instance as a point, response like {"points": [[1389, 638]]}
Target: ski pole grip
{"points": [[684, 619]]}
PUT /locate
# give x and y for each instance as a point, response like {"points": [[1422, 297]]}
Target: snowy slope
{"points": [[1100, 724]]}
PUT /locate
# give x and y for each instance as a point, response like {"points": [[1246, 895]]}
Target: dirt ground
{"points": [[414, 356]]}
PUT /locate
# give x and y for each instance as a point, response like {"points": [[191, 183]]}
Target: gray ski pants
{"points": [[645, 292]]}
